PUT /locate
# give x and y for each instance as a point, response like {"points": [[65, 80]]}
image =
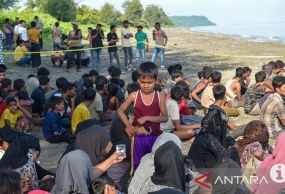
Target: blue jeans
{"points": [[8, 40], [24, 60], [155, 54], [140, 53], [96, 53]]}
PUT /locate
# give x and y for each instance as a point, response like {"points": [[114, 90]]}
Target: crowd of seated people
{"points": [[94, 115]]}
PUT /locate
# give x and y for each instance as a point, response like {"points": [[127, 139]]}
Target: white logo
{"points": [[277, 173]]}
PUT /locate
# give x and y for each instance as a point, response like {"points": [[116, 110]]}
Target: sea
{"points": [[265, 32]]}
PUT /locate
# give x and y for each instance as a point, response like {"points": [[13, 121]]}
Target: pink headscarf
{"points": [[38, 192], [277, 157]]}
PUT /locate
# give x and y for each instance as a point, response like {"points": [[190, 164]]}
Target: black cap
{"points": [[126, 22], [139, 26]]}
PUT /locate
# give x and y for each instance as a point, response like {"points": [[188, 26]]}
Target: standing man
{"points": [[34, 37], [40, 28], [56, 35], [126, 41], [23, 32], [97, 37], [141, 51], [160, 38], [112, 39], [75, 37], [8, 33], [16, 22], [16, 33]]}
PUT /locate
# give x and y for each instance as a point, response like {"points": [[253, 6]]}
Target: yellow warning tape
{"points": [[160, 46]]}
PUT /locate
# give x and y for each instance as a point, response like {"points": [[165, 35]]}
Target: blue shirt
{"points": [[52, 124]]}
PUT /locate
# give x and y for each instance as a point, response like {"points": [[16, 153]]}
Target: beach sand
{"points": [[192, 50]]}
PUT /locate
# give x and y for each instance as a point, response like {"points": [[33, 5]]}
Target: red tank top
{"points": [[142, 109]]}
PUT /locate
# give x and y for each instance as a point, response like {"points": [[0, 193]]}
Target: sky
{"points": [[222, 12]]}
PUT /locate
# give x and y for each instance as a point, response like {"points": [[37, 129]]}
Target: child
{"points": [[110, 69], [6, 87], [104, 186], [52, 128], [184, 132], [176, 76], [3, 147], [149, 111], [47, 184], [11, 115], [200, 87], [207, 98], [81, 113]]}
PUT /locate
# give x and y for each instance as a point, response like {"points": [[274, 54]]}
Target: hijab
{"points": [[92, 141], [255, 131], [169, 167], [225, 169], [215, 124], [16, 155], [277, 157], [80, 127], [74, 173], [146, 168]]}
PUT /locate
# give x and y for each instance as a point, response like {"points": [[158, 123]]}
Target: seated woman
{"points": [[272, 161], [21, 155], [253, 144], [146, 168], [75, 173], [57, 57], [169, 169]]}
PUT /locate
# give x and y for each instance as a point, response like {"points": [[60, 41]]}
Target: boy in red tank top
{"points": [[149, 111]]}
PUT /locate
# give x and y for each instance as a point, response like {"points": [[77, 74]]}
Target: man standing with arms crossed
{"points": [[34, 37], [160, 38], [40, 28], [126, 41]]}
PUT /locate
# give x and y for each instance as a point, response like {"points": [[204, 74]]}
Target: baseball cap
{"points": [[139, 26], [74, 23], [126, 22]]}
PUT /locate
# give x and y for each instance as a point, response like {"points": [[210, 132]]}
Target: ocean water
{"points": [[268, 32]]}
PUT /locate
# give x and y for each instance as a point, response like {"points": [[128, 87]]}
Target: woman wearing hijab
{"points": [[253, 144], [212, 144], [95, 142], [169, 170], [74, 173], [264, 171], [19, 155], [167, 191], [146, 168], [225, 169]]}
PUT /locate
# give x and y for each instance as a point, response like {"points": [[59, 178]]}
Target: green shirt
{"points": [[141, 37]]}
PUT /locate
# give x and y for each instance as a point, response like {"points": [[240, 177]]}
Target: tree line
{"points": [[69, 10]]}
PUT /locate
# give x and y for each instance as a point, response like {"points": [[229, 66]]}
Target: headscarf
{"points": [[167, 191], [92, 141], [74, 173], [80, 127], [146, 168], [255, 131], [169, 167], [16, 155], [215, 123], [225, 169], [277, 157]]}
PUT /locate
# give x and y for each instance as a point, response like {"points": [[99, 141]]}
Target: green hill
{"points": [[187, 21]]}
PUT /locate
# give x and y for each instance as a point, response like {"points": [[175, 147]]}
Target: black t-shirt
{"points": [[97, 42], [111, 36], [38, 95]]}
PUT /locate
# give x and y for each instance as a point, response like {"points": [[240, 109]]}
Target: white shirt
{"points": [[16, 29], [173, 115], [24, 33], [125, 41]]}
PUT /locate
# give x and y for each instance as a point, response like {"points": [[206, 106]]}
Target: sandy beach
{"points": [[192, 50]]}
